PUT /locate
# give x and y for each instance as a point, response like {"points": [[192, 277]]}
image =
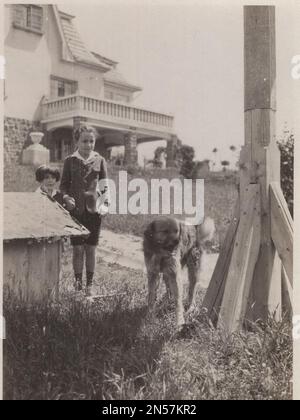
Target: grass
{"points": [[109, 349]]}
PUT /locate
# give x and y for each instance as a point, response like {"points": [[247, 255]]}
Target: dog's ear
{"points": [[148, 234]]}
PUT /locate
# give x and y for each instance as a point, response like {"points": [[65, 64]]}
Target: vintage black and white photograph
{"points": [[148, 201]]}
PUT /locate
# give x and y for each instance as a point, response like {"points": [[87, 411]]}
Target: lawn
{"points": [[109, 349]]}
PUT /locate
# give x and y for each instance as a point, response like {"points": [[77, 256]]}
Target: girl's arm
{"points": [[65, 182], [65, 186]]}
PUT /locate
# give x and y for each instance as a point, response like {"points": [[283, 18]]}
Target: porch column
{"points": [[131, 153], [77, 122], [171, 151]]}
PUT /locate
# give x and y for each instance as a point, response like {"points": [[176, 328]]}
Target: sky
{"points": [[188, 58]]}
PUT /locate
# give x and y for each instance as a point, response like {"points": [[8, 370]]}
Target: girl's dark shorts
{"points": [[93, 223]]}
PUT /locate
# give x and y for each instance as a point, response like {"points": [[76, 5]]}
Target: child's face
{"points": [[48, 182], [86, 143]]}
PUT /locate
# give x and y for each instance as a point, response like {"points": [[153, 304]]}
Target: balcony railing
{"points": [[107, 111]]}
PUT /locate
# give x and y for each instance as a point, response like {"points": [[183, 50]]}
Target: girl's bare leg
{"points": [[90, 253], [78, 262]]}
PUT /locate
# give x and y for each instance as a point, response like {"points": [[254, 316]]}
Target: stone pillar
{"points": [[36, 154], [171, 151], [131, 153]]}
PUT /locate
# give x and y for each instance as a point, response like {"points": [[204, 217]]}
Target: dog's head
{"points": [[163, 233]]}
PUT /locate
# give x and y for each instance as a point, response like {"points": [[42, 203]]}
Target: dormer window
{"points": [[28, 17]]}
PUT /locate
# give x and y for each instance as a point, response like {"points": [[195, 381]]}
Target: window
{"points": [[62, 87], [114, 96], [109, 95], [29, 17]]}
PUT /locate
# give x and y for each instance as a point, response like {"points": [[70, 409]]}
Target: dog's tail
{"points": [[206, 231]]}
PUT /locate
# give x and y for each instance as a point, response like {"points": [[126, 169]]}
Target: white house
{"points": [[54, 83]]}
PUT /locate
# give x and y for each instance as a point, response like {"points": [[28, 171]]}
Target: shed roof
{"points": [[35, 216]]}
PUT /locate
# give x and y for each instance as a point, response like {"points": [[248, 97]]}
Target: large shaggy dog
{"points": [[169, 245]]}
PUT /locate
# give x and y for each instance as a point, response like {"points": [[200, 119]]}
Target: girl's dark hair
{"points": [[44, 170], [84, 129]]}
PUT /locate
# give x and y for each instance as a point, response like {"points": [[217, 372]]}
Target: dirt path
{"points": [[126, 250]]}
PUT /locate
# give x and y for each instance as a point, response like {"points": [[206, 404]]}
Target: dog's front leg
{"points": [[153, 283], [194, 269], [172, 269], [153, 271]]}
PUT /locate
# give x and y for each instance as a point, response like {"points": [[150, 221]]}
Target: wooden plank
{"points": [[15, 268], [244, 258], [287, 295], [282, 229], [266, 290], [214, 295], [259, 57]]}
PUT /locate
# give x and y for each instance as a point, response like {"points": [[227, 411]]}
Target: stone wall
{"points": [[16, 138]]}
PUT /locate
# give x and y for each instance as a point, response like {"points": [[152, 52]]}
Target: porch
{"points": [[117, 124]]}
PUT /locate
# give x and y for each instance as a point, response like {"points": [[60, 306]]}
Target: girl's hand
{"points": [[70, 202]]}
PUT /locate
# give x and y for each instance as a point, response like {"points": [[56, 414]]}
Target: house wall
{"points": [[28, 66], [39, 56]]}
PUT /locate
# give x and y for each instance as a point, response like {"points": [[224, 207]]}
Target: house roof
{"points": [[75, 45], [114, 77], [105, 60], [35, 216]]}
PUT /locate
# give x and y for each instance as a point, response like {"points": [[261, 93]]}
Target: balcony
{"points": [[60, 112]]}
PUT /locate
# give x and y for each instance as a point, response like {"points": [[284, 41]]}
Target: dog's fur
{"points": [[170, 245]]}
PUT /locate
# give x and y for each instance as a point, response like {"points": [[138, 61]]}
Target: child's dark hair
{"points": [[84, 129], [44, 170]]}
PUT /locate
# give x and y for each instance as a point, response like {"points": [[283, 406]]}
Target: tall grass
{"points": [[109, 349]]}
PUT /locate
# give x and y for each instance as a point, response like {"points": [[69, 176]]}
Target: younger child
{"points": [[48, 178], [82, 173]]}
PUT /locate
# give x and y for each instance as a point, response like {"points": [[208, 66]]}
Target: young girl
{"points": [[86, 201], [48, 178]]}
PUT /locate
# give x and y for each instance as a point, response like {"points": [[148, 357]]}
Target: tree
{"points": [[185, 156], [158, 153], [286, 147], [234, 157], [215, 151], [225, 163]]}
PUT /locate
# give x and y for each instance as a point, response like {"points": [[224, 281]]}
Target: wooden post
{"points": [[247, 281], [264, 158]]}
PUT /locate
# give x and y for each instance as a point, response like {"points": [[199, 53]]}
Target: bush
{"points": [[287, 170]]}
